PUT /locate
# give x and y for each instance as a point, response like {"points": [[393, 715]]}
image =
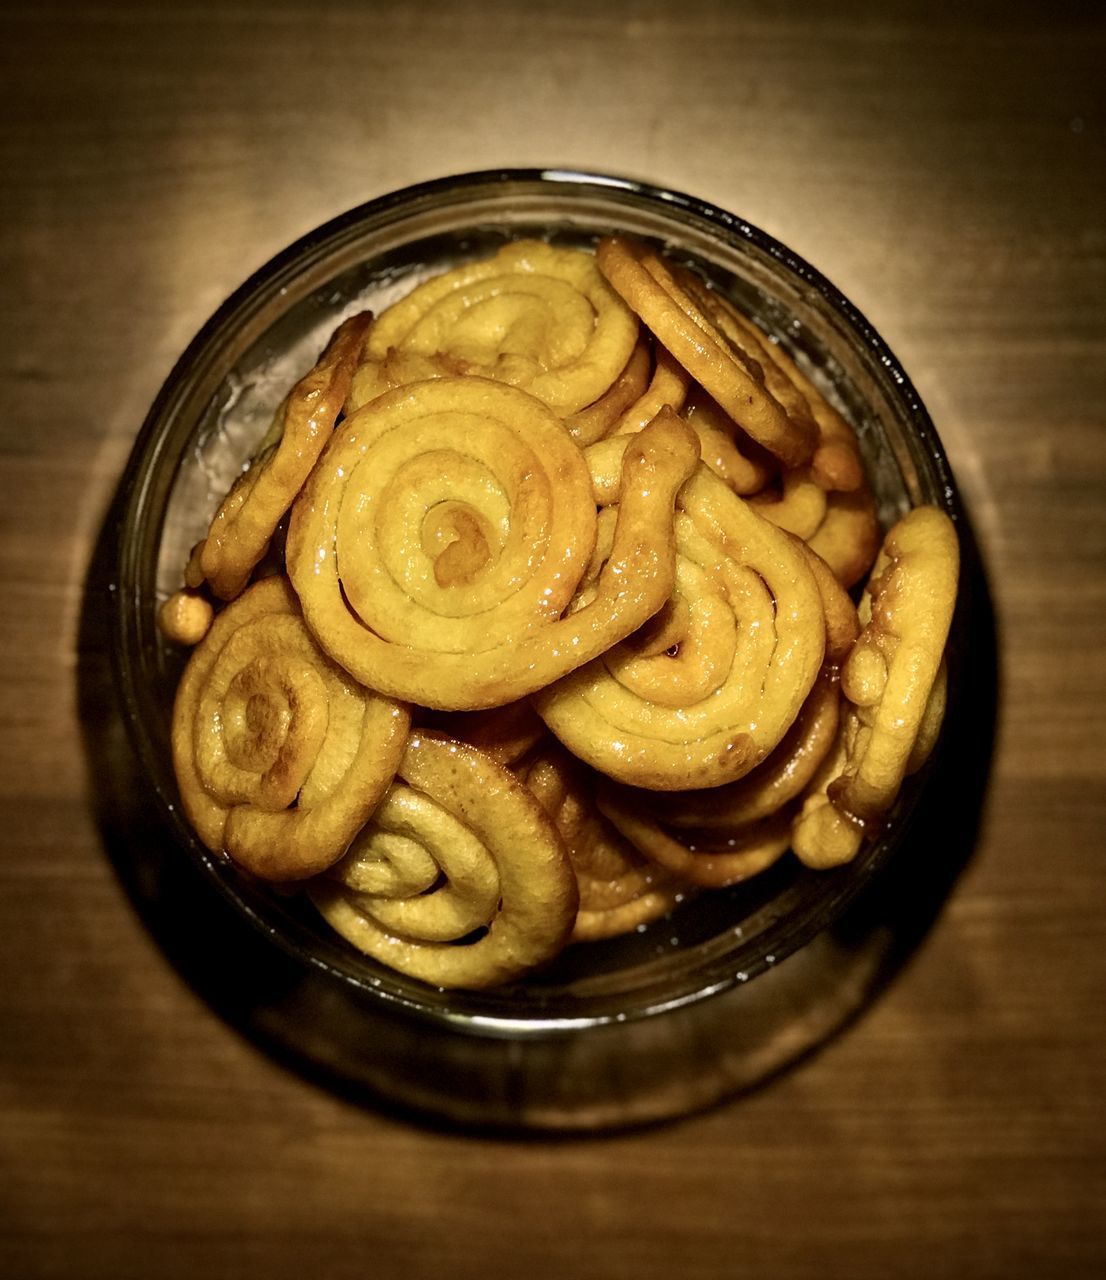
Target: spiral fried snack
{"points": [[591, 531], [827, 502], [247, 519], [774, 784], [836, 462], [700, 696], [619, 890], [889, 676], [892, 680], [726, 834], [460, 879], [444, 532], [280, 757], [651, 288], [533, 315]]}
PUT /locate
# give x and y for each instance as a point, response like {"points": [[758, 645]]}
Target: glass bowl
{"points": [[729, 988]]}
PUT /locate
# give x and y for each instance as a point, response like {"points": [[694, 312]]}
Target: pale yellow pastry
{"points": [[535, 315]]}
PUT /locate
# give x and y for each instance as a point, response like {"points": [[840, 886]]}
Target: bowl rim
{"points": [[142, 462]]}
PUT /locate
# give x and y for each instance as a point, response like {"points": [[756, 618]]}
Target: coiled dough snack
{"points": [[774, 784], [247, 518], [892, 681], [444, 532], [718, 837], [534, 315], [906, 613], [826, 502], [280, 756], [835, 463], [657, 293], [704, 693], [459, 848]]}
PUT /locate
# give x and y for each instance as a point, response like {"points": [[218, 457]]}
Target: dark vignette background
{"points": [[946, 168]]}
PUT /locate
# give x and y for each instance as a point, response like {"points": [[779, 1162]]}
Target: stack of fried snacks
{"points": [[531, 618]]}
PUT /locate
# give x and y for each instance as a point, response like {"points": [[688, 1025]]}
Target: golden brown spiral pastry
{"points": [[836, 462], [588, 532], [773, 785], [534, 315], [444, 532], [893, 683], [460, 878], [700, 696], [658, 293], [280, 756]]}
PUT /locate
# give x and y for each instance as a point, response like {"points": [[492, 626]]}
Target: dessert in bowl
{"points": [[533, 595]]}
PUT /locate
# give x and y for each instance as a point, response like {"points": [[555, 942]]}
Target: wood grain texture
{"points": [[948, 173]]}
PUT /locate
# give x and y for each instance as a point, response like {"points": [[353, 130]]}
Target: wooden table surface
{"points": [[948, 173]]}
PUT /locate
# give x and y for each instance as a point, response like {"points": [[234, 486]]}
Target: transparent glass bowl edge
{"points": [[838, 343]]}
